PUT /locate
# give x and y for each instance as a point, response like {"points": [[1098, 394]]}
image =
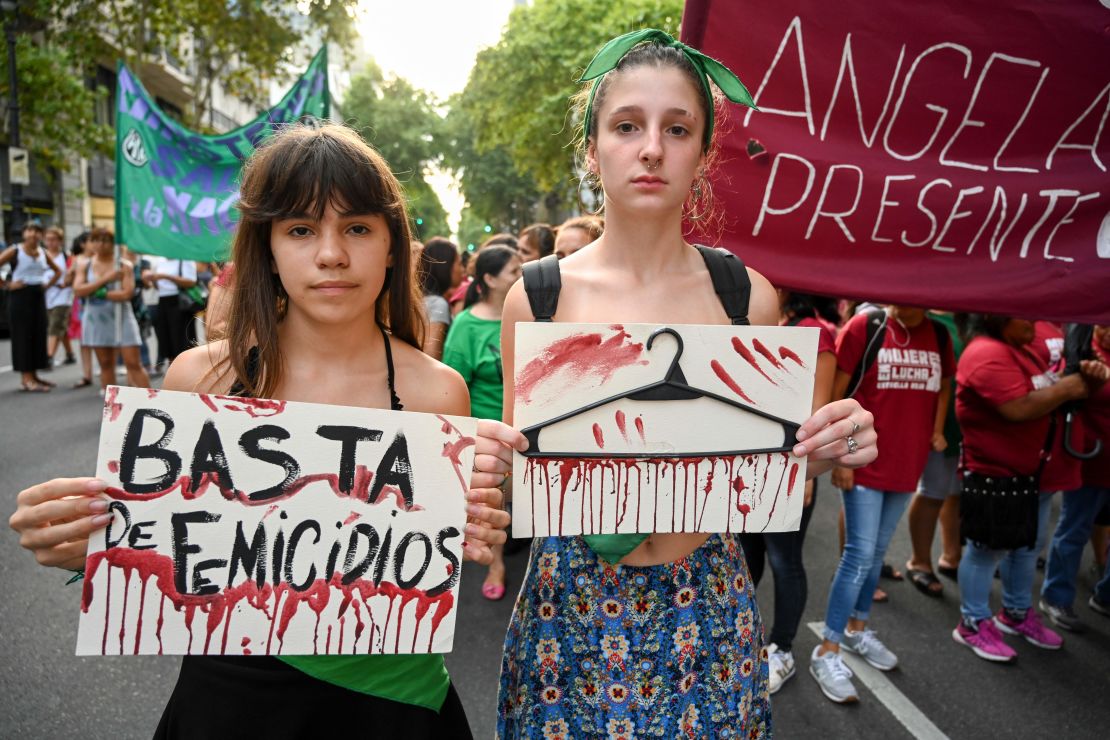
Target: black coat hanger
{"points": [[673, 387]]}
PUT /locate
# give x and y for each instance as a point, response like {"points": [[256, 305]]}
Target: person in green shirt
{"points": [[473, 348]]}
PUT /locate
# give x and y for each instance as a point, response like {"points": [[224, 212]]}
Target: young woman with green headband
{"points": [[648, 635]]}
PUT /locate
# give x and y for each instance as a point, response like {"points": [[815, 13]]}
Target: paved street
{"points": [[939, 690]]}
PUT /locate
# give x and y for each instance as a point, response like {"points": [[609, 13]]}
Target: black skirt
{"points": [[27, 319], [260, 696]]}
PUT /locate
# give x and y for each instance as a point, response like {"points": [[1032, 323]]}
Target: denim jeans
{"points": [[1077, 518], [784, 550], [870, 518], [1017, 567]]}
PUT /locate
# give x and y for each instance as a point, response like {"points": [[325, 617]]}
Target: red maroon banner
{"points": [[946, 154]]}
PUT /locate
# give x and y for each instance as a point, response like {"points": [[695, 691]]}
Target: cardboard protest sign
{"points": [[249, 526], [649, 428]]}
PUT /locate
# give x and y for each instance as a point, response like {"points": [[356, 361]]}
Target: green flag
{"points": [[175, 189]]}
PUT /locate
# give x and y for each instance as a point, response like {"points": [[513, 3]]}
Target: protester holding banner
{"points": [[473, 349], [784, 549], [898, 364], [325, 311], [32, 273], [671, 644], [440, 273], [1005, 401], [108, 322]]}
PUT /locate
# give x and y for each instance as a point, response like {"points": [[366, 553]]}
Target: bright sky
{"points": [[432, 44]]}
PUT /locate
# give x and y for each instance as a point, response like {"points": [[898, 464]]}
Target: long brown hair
{"points": [[300, 171]]}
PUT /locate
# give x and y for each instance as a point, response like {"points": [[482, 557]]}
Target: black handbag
{"points": [[1000, 512], [190, 300]]}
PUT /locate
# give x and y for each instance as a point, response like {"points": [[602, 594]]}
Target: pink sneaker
{"points": [[986, 642], [1031, 628]]}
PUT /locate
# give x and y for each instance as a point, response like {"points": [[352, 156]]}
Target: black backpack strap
{"points": [[873, 342], [542, 285], [730, 282]]}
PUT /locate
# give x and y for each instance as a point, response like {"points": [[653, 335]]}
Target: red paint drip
{"points": [[744, 510], [453, 451], [351, 517], [207, 400], [788, 354], [640, 428], [621, 425], [581, 355], [746, 353], [793, 477], [762, 349], [151, 393], [155, 568], [112, 409], [113, 466], [598, 437], [255, 407], [778, 489], [270, 510], [728, 380]]}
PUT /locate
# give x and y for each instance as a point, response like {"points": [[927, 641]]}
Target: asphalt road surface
{"points": [[940, 688]]}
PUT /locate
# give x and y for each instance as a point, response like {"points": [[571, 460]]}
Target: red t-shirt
{"points": [[1062, 472], [991, 373], [1096, 422], [826, 338], [901, 389]]}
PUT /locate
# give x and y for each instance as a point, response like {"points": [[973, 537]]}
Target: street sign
{"points": [[19, 166]]}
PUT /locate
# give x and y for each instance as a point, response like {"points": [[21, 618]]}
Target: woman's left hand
{"points": [[493, 464], [485, 524], [493, 453], [825, 435]]}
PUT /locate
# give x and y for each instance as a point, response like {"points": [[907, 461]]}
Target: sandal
{"points": [[880, 596], [493, 591], [83, 383], [948, 571], [888, 571], [33, 387], [925, 581]]}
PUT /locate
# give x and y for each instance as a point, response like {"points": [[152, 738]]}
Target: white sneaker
{"points": [[868, 646], [780, 666], [834, 678]]}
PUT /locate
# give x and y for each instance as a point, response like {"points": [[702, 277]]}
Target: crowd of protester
{"points": [[101, 300]]}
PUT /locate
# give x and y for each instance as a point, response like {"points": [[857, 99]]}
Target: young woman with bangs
{"points": [[325, 310], [648, 635]]}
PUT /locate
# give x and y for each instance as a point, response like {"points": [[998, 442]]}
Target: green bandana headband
{"points": [[707, 68]]}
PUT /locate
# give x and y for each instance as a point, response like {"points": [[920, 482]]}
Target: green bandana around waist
{"points": [[420, 680]]}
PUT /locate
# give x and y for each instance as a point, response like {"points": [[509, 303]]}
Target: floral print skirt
{"points": [[596, 650]]}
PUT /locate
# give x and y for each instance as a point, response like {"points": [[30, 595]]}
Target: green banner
{"points": [[176, 190]]}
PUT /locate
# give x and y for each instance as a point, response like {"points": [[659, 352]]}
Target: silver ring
{"points": [[855, 428], [852, 444]]}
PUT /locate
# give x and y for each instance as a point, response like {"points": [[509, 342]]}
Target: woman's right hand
{"points": [[54, 519]]}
